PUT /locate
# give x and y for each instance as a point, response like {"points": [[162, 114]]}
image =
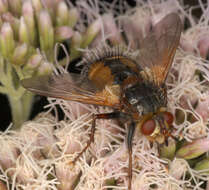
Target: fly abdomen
{"points": [[111, 70], [119, 69]]}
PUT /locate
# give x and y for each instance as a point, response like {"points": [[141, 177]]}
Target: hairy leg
{"points": [[112, 115], [131, 130]]}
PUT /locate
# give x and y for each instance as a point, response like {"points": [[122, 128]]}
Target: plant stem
{"points": [[20, 109]]}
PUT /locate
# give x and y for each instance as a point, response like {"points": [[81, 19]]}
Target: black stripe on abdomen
{"points": [[119, 70]]}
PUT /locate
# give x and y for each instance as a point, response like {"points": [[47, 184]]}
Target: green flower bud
{"points": [[76, 39], [194, 149], [46, 31], [111, 182], [62, 33], [62, 14], [19, 55], [15, 6], [73, 17], [45, 68], [37, 6], [51, 6], [34, 61], [23, 32], [7, 43], [91, 32], [28, 14], [32, 64], [203, 165], [168, 151], [14, 22], [3, 6], [75, 43]]}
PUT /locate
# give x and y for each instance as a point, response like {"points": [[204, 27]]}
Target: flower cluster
{"points": [[30, 34]]}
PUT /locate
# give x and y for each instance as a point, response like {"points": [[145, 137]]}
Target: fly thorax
{"points": [[145, 97]]}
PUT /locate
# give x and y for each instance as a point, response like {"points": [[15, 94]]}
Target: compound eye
{"points": [[168, 117], [148, 127]]}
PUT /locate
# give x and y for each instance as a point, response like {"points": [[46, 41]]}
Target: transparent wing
{"points": [[68, 87], [159, 47]]}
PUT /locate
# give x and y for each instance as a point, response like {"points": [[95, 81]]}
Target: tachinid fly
{"points": [[133, 86]]}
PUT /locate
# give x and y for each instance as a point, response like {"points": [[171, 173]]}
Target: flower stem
{"points": [[20, 109]]}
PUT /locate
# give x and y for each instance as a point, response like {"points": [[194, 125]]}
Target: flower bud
{"points": [[37, 5], [3, 6], [23, 32], [67, 174], [51, 6], [9, 153], [178, 168], [15, 6], [19, 54], [62, 33], [14, 22], [46, 31], [75, 43], [45, 68], [28, 14], [203, 165], [73, 17], [203, 45], [62, 14], [76, 39], [91, 32], [168, 151], [194, 149], [34, 61], [7, 43], [111, 182]]}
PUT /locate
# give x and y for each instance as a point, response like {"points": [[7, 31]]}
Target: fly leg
{"points": [[112, 115], [131, 130]]}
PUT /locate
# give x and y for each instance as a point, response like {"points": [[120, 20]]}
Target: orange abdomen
{"points": [[111, 70]]}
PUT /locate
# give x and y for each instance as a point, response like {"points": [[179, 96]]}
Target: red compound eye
{"points": [[148, 127], [168, 117]]}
